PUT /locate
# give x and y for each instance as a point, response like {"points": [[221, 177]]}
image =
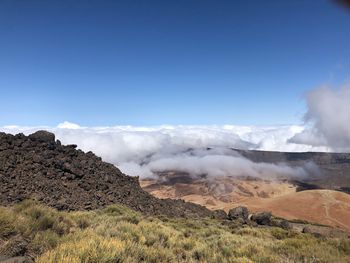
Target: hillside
{"points": [[85, 210], [321, 206], [117, 234], [40, 168], [280, 197], [333, 168]]}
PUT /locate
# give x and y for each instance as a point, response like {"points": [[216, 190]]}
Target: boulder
{"points": [[285, 225], [307, 229], [262, 218], [42, 136], [240, 212], [16, 260], [219, 214], [14, 247]]}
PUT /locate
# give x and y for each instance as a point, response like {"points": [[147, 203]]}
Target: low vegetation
{"points": [[118, 234]]}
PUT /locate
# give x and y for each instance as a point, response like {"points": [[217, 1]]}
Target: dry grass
{"points": [[118, 234]]}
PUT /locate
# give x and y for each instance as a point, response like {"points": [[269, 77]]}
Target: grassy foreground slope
{"points": [[118, 234]]}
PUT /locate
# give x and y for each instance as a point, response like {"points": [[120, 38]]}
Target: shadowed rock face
{"points": [[239, 212], [38, 167]]}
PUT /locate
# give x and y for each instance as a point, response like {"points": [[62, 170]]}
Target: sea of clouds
{"points": [[145, 151], [197, 150]]}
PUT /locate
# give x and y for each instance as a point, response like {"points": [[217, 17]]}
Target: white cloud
{"points": [[143, 151], [327, 119], [221, 162], [68, 125]]}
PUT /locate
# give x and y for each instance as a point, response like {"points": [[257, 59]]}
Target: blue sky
{"points": [[167, 62]]}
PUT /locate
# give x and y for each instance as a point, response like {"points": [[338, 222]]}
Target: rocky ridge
{"points": [[41, 168], [66, 178]]}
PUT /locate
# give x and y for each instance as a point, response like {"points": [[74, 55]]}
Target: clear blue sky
{"points": [[167, 62]]}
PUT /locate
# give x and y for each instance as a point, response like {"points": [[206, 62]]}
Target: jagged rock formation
{"points": [[38, 167]]}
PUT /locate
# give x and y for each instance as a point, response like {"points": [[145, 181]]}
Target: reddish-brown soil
{"points": [[281, 198]]}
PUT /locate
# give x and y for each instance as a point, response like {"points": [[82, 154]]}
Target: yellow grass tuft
{"points": [[118, 234]]}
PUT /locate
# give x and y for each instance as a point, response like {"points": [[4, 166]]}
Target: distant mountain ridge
{"points": [[334, 167]]}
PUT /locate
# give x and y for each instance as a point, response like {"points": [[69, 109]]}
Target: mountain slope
{"points": [[322, 206], [38, 167], [334, 168], [282, 198]]}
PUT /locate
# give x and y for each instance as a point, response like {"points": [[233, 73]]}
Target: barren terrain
{"points": [[280, 197]]}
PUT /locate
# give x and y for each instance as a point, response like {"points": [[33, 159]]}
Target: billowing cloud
{"points": [[217, 162], [327, 119], [197, 150]]}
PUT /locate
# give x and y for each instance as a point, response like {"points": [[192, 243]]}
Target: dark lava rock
{"points": [[314, 230], [219, 214], [285, 225], [15, 246], [262, 218], [42, 136], [282, 223], [15, 260], [63, 177], [307, 229], [240, 212]]}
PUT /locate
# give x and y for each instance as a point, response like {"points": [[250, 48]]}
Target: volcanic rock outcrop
{"points": [[38, 167], [240, 212]]}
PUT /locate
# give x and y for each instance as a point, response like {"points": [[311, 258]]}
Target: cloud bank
{"points": [[145, 151], [198, 150], [217, 162]]}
